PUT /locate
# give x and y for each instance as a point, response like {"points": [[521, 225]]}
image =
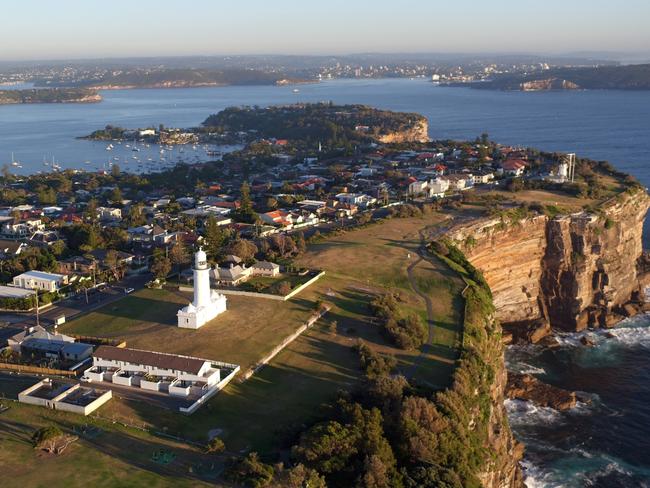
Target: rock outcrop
{"points": [[548, 84], [527, 387], [419, 132], [573, 271]]}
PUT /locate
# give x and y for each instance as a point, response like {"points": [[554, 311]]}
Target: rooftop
{"points": [[161, 360]]}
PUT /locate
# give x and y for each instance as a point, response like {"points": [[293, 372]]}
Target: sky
{"points": [[67, 29]]}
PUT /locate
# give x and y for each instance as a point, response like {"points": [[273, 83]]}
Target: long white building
{"points": [[207, 303]]}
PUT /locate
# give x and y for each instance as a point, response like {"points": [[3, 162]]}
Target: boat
{"points": [[295, 90], [13, 161]]}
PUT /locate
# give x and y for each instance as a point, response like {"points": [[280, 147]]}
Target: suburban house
{"points": [[63, 351], [513, 167], [231, 274], [11, 249], [38, 343], [22, 227], [36, 332], [460, 182], [265, 268], [232, 271], [14, 293], [483, 178], [148, 236], [79, 265], [435, 188], [109, 214], [361, 200], [44, 238], [277, 217], [40, 280]]}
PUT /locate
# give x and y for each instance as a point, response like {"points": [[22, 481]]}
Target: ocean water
{"points": [[605, 442]]}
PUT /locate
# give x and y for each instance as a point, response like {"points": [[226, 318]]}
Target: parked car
{"points": [[129, 290]]}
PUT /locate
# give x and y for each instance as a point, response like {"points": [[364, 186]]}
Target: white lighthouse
{"points": [[207, 303]]}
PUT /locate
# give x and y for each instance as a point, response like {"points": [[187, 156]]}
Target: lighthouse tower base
{"points": [[191, 317]]}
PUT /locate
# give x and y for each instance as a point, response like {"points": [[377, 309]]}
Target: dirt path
{"points": [[422, 253]]}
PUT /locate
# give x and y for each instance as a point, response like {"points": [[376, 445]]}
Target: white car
{"points": [[129, 290]]}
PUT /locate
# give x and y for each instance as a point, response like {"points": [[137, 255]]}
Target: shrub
{"points": [[45, 434], [250, 471], [215, 446]]}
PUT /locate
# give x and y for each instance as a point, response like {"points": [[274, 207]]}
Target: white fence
{"points": [[268, 296], [286, 342]]}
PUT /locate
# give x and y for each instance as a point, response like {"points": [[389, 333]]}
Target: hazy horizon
{"points": [[39, 30]]}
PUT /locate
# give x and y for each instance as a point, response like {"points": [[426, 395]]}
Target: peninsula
{"points": [[372, 279], [628, 77], [49, 95]]}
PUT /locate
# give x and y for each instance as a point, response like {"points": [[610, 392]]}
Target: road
{"points": [[12, 323]]}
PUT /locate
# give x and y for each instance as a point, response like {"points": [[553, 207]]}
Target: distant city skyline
{"points": [[42, 29]]}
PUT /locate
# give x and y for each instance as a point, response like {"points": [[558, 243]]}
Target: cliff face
{"points": [[548, 84], [571, 271], [503, 469], [419, 132]]}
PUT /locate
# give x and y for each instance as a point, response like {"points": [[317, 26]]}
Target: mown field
{"points": [[267, 412]]}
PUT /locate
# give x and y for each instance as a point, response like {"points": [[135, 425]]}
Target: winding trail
{"points": [[426, 234]]}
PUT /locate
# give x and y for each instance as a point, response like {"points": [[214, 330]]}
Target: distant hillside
{"points": [[632, 77], [322, 122], [179, 78], [49, 95]]}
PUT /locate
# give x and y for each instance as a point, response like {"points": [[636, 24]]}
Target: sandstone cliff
{"points": [[548, 84], [419, 132], [571, 271], [503, 469]]}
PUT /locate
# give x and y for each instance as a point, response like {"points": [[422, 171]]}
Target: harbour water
{"points": [[601, 443]]}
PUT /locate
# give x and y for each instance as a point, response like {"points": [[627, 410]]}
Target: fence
{"points": [[22, 368], [100, 341], [285, 343], [268, 296]]}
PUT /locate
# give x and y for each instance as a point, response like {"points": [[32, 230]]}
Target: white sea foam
{"points": [[521, 412], [536, 477]]}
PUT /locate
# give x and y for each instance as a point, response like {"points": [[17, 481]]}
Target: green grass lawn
{"points": [[115, 457], [266, 412], [249, 329], [374, 260]]}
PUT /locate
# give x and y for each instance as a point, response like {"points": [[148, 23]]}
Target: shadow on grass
{"points": [[143, 309]]}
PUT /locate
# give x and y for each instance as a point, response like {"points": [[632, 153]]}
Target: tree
{"points": [[250, 471], [136, 215], [214, 238], [161, 265], [116, 196], [243, 248], [112, 261], [91, 210], [299, 476], [245, 212], [179, 255], [115, 171]]}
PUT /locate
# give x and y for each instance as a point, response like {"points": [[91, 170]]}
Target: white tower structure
{"points": [[207, 303]]}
